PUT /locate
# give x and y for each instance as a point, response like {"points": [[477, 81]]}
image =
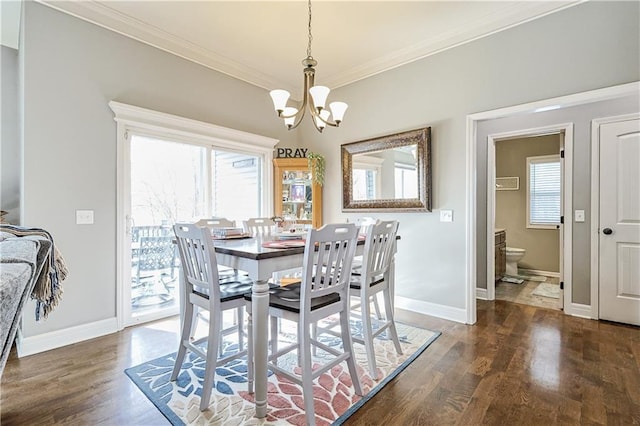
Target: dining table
{"points": [[260, 263]]}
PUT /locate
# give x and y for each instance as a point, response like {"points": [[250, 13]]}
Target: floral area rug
{"points": [[231, 404]]}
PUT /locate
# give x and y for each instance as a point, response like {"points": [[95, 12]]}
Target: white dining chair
{"points": [[323, 292], [216, 222], [258, 226], [204, 289], [371, 280]]}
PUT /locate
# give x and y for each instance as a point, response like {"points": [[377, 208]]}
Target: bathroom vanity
{"points": [[500, 254]]}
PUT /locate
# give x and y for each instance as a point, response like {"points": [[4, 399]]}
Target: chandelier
{"points": [[314, 97]]}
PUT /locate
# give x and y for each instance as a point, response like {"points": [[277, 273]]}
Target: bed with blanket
{"points": [[30, 267]]}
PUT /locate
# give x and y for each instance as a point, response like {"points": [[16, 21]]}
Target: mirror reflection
{"points": [[392, 172], [386, 174]]}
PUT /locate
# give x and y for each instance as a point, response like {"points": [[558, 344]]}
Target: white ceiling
{"points": [[263, 42]]}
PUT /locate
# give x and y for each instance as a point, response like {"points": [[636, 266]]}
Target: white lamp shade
{"points": [[290, 116], [324, 114], [280, 98], [338, 109], [319, 95]]}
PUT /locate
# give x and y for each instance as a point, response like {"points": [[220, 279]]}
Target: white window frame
{"points": [[144, 122], [536, 160]]}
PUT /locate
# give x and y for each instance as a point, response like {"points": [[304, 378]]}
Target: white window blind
{"points": [[543, 191]]}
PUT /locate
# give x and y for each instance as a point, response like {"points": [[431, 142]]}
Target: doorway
{"points": [[528, 218], [563, 134]]}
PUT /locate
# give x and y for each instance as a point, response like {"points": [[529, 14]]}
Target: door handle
{"points": [[607, 231]]}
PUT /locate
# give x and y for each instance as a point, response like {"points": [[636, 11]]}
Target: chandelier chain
{"points": [[310, 36]]}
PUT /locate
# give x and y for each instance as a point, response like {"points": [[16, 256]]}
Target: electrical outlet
{"points": [[446, 215], [84, 217]]}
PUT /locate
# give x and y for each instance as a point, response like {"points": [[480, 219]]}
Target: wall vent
{"points": [[508, 183]]}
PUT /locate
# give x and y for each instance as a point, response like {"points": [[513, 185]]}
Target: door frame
{"points": [[566, 144], [595, 205], [472, 164]]}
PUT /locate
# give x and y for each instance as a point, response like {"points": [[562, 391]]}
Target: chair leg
{"points": [[194, 321], [275, 330], [215, 320], [376, 306], [250, 370], [304, 355], [239, 321], [184, 337], [391, 329], [347, 344], [367, 337]]}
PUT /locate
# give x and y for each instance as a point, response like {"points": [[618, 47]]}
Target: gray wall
{"points": [[542, 245], [71, 70], [9, 137], [592, 45]]}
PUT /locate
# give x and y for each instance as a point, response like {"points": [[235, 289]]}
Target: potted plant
{"points": [[317, 167]]}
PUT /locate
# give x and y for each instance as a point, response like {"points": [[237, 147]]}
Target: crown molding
{"points": [[101, 14]]}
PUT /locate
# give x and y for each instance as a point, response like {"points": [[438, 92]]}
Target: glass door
{"points": [[170, 182], [167, 184]]}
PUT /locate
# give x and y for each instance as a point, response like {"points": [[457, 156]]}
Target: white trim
{"points": [[433, 309], [595, 205], [539, 272], [471, 225], [580, 310], [63, 337], [130, 120], [481, 293], [472, 165]]}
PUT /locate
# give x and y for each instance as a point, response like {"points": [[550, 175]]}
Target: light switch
{"points": [[579, 216], [84, 217], [446, 215]]}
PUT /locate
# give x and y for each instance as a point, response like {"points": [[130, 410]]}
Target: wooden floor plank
{"points": [[518, 365]]}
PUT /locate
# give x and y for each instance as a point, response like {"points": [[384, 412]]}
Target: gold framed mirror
{"points": [[391, 173]]}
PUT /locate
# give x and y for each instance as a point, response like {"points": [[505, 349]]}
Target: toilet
{"points": [[514, 255]]}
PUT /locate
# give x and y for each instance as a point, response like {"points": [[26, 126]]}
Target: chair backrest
{"points": [[258, 225], [198, 258], [149, 231], [156, 253], [378, 249], [328, 256], [216, 222]]}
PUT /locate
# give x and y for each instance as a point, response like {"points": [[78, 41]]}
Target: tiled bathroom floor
{"points": [[521, 293]]}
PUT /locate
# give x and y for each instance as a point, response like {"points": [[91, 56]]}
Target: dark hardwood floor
{"points": [[518, 365]]}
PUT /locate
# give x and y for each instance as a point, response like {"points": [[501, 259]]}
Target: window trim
{"points": [[541, 159]]}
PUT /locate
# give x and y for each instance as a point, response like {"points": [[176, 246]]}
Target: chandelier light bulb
{"points": [[337, 110], [319, 95], [321, 119], [289, 116], [280, 98]]}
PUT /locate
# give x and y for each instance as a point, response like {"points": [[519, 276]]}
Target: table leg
{"points": [[260, 312]]}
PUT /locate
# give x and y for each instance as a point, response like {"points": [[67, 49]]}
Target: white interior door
{"points": [[619, 228]]}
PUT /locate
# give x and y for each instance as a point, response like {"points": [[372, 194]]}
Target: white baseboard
{"points": [[579, 310], [433, 309], [538, 272], [56, 339], [481, 293]]}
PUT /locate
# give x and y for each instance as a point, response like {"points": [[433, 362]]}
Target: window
{"points": [[543, 192]]}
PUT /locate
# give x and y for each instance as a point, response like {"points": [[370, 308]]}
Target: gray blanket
{"points": [[21, 261]]}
